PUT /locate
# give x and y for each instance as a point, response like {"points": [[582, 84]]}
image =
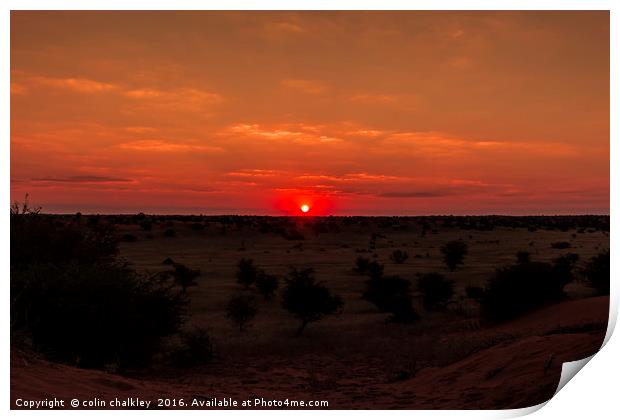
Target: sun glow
{"points": [[305, 208]]}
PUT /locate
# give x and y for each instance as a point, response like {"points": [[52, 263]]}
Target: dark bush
{"points": [[170, 233], [128, 237], [399, 256], [184, 276], [168, 261], [523, 257], [77, 304], [91, 315], [293, 235], [519, 288], [197, 226], [196, 348], [402, 309], [453, 253], [560, 245], [246, 272], [266, 284], [474, 292], [391, 294], [381, 291], [597, 273], [361, 265], [569, 259], [241, 309], [435, 290], [37, 239], [146, 225], [563, 266], [375, 269], [307, 299]]}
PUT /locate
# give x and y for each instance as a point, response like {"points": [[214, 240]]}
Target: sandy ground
{"points": [[518, 372], [355, 359], [332, 255]]}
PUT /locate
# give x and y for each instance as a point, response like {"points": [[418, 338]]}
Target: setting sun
{"points": [[305, 208]]}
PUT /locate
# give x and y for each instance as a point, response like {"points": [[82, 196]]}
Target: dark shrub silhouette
{"points": [[293, 235], [241, 309], [361, 265], [38, 239], [569, 259], [402, 309], [563, 266], [597, 273], [184, 276], [197, 226], [146, 225], [76, 303], [93, 314], [391, 294], [168, 261], [170, 233], [523, 257], [380, 291], [266, 284], [246, 272], [399, 256], [560, 245], [196, 348], [307, 299], [375, 269], [515, 289], [128, 237], [474, 292], [435, 290], [453, 253]]}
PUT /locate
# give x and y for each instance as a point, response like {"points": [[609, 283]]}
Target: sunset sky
{"points": [[349, 112]]}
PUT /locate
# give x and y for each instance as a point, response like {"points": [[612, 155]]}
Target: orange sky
{"points": [[353, 112]]}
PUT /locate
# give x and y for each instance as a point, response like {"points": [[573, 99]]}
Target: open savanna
{"points": [[356, 358]]}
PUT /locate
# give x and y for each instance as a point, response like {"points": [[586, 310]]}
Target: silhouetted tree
{"points": [[266, 284], [196, 348], [306, 299], [523, 257], [399, 256], [241, 309], [563, 266], [246, 272], [184, 276], [598, 274], [453, 253], [361, 265], [375, 269]]}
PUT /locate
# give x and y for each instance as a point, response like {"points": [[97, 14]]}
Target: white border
{"points": [[593, 394]]}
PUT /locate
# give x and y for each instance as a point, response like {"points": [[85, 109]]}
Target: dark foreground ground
{"points": [[450, 359]]}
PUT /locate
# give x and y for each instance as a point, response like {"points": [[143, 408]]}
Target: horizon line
{"points": [[333, 215]]}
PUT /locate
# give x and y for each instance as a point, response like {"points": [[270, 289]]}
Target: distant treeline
{"points": [[331, 223]]}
